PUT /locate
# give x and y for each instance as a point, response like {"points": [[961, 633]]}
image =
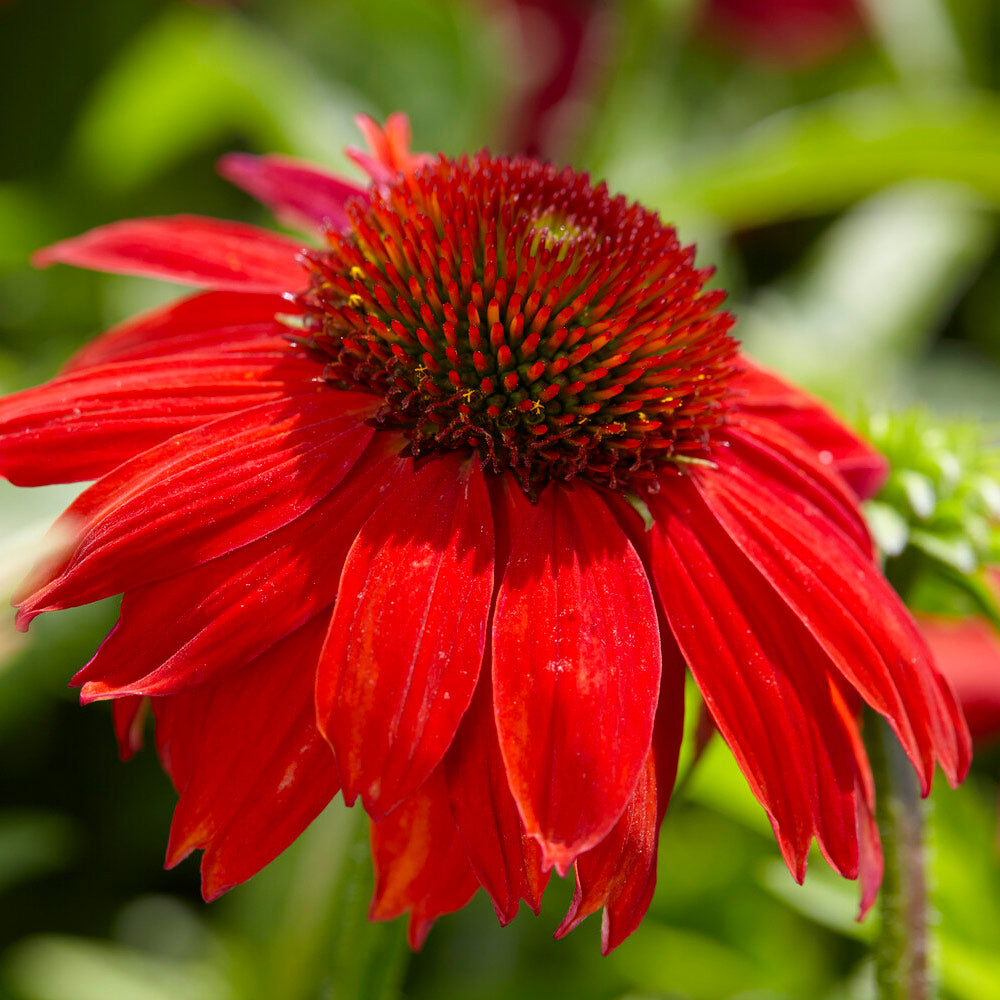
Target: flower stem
{"points": [[366, 960], [901, 948]]}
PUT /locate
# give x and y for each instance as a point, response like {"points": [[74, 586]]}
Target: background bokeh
{"points": [[845, 183]]}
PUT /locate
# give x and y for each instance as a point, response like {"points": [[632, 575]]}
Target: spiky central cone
{"points": [[509, 307]]}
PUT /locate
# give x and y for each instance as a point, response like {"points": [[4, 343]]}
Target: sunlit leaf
{"points": [[195, 76], [50, 967], [820, 157]]}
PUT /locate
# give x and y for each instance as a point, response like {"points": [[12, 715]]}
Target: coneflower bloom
{"points": [[967, 652], [434, 512], [554, 36], [785, 32]]}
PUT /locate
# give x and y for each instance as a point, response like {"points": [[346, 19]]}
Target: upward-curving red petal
{"points": [[201, 494], [211, 322], [188, 249], [390, 148], [406, 641], [251, 768], [576, 667], [298, 193], [765, 394]]}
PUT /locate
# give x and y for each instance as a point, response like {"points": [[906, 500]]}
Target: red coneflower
{"points": [[786, 32], [967, 652], [559, 63], [437, 513]]}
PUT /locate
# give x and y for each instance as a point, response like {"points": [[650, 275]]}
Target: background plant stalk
{"points": [[902, 945]]}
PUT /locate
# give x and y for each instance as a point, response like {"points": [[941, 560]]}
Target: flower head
{"points": [[515, 310], [436, 512]]}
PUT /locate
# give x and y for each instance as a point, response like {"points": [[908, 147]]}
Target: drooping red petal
{"points": [[506, 861], [871, 863], [575, 638], [299, 193], [187, 249], [419, 860], [791, 468], [249, 763], [83, 424], [767, 395], [201, 494], [177, 632], [406, 641], [620, 872], [757, 712], [764, 679], [849, 608], [129, 715], [208, 321]]}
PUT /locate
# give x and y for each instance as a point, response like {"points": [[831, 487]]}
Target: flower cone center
{"points": [[517, 310]]}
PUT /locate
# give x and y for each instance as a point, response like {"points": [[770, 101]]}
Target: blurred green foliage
{"points": [[851, 208]]}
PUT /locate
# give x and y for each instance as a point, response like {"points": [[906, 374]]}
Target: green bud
{"points": [[937, 519]]}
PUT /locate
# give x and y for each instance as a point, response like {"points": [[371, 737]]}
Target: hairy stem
{"points": [[901, 949]]}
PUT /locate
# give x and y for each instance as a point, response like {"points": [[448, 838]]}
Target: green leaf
{"points": [[978, 588], [51, 967], [873, 290], [817, 158], [687, 962], [824, 898], [32, 844], [196, 76], [888, 527], [956, 552]]}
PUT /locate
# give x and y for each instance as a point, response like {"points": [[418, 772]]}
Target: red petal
{"points": [[575, 637], [129, 716], [209, 321], [791, 470], [84, 424], [250, 765], [419, 861], [176, 632], [870, 861], [768, 395], [967, 652], [201, 494], [390, 146], [506, 861], [406, 641], [850, 610], [763, 678], [620, 872], [187, 249], [298, 193]]}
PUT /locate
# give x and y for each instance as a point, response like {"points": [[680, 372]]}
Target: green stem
{"points": [[901, 949], [366, 960]]}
